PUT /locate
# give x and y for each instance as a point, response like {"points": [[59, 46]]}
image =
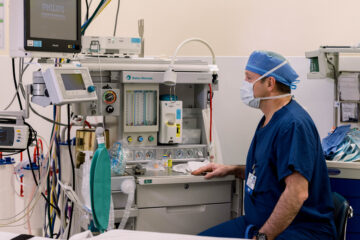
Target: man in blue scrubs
{"points": [[287, 192]]}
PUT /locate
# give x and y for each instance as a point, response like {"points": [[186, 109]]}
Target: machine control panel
{"points": [[69, 85], [179, 153], [141, 139], [109, 104]]}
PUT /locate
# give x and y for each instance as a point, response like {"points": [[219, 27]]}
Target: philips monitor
{"points": [[52, 26]]}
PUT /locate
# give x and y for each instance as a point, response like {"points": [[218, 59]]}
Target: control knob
{"points": [[109, 109]]}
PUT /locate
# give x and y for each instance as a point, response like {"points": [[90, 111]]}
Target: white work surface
{"points": [[135, 235], [128, 235], [348, 170]]}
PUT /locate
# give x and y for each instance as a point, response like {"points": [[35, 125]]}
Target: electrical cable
{"points": [[20, 81], [336, 89], [72, 166], [211, 111], [53, 193], [101, 83], [12, 154], [88, 22], [36, 182], [27, 64], [102, 8], [48, 207], [31, 205], [116, 18], [17, 93], [45, 118], [57, 138], [87, 10], [31, 131], [13, 98], [15, 82], [102, 5], [56, 158]]}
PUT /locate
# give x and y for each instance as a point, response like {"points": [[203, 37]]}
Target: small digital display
{"points": [[73, 81], [6, 136], [53, 19]]}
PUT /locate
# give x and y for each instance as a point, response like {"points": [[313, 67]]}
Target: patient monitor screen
{"points": [[73, 82], [53, 19], [6, 136]]}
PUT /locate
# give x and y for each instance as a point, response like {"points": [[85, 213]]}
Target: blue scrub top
{"points": [[289, 142]]}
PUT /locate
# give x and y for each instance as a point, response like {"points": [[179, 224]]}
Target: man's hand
{"points": [[220, 170]]}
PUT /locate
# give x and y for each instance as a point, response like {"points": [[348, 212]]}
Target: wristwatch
{"points": [[261, 236]]}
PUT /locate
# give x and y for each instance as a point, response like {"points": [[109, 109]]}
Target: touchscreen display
{"points": [[6, 136], [53, 19], [73, 81]]}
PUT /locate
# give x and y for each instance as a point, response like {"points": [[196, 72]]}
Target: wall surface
{"points": [[233, 27]]}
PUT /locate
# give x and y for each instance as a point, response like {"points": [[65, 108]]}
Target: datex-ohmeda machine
{"points": [[160, 121]]}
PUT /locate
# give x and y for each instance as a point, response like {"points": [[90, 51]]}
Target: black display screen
{"points": [[52, 25], [73, 81], [55, 19], [6, 136]]}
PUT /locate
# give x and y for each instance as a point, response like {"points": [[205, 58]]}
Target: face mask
{"points": [[247, 90]]}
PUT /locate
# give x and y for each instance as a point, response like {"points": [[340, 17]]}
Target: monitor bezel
{"points": [[52, 45]]}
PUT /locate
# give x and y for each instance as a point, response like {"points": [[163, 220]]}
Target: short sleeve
{"points": [[295, 151]]}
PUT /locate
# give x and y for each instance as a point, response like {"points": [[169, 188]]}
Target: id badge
{"points": [[250, 183]]}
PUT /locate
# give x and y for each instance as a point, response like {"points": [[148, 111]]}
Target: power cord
{"points": [[72, 167], [15, 82], [88, 22], [87, 10]]}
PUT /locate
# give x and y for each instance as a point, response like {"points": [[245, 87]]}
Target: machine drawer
{"points": [[163, 195], [183, 219]]}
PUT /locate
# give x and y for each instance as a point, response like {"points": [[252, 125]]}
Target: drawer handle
{"points": [[334, 171], [186, 209]]}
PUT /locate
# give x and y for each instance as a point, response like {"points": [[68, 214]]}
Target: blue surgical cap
{"points": [[261, 62]]}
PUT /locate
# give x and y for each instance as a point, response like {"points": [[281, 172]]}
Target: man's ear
{"points": [[271, 83]]}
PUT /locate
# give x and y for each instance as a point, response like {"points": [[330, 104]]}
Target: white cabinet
{"points": [[177, 203]]}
